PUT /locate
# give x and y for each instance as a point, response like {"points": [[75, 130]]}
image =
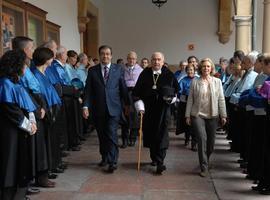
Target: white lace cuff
{"points": [[32, 117], [26, 125], [139, 106]]}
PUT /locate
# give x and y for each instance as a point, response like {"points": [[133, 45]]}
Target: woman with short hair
{"points": [[205, 105]]}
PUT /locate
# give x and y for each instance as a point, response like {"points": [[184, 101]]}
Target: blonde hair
{"points": [[211, 63]]}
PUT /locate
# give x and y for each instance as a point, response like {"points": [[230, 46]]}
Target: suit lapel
{"points": [[99, 74], [111, 74]]}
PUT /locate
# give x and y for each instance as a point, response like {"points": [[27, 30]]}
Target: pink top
{"points": [[265, 90]]}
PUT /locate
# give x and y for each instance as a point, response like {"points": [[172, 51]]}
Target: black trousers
{"points": [[247, 126], [157, 154], [265, 178], [71, 121], [235, 127], [255, 161]]}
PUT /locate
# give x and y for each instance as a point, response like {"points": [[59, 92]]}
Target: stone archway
{"points": [[88, 27]]}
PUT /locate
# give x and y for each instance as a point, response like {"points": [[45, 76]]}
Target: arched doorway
{"points": [[88, 27]]}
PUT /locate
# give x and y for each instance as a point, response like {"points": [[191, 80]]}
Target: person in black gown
{"points": [[17, 123], [156, 89]]}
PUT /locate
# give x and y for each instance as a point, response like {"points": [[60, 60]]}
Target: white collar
{"points": [[60, 62], [157, 72], [108, 65], [131, 67]]}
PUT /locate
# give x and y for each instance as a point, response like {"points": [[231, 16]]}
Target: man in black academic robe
{"points": [[156, 89]]}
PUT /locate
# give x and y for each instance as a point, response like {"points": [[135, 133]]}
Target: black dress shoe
{"points": [[160, 169], [249, 177], [82, 138], [194, 148], [31, 191], [243, 165], [124, 144], [102, 163], [265, 191], [111, 168], [76, 148], [57, 170], [240, 161], [256, 182], [52, 176], [131, 143], [63, 166], [186, 142], [64, 154], [257, 188]]}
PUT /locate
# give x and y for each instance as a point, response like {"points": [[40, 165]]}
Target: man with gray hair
{"points": [[239, 136], [248, 78], [130, 129], [58, 76], [181, 73], [84, 65], [51, 44], [56, 72], [155, 90]]}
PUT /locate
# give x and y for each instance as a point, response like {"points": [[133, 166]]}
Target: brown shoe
{"points": [[203, 173], [43, 181]]}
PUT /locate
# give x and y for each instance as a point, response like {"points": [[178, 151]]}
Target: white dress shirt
{"points": [[103, 66]]}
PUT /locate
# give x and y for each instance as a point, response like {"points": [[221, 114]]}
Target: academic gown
{"points": [[59, 127], [15, 152], [157, 111], [48, 152], [70, 102], [184, 86]]}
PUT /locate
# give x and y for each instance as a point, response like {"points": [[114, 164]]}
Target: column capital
{"points": [[224, 36], [82, 21]]}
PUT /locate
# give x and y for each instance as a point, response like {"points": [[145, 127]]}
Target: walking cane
{"points": [[140, 141]]}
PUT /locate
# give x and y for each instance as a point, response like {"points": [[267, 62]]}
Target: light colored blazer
{"points": [[218, 107]]}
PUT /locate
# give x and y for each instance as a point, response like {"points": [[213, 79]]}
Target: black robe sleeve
{"points": [[13, 113], [136, 93], [87, 99]]}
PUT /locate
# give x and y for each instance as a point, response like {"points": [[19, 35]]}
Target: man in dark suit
{"points": [[104, 93]]}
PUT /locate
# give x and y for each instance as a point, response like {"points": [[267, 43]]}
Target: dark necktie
{"points": [[106, 74]]}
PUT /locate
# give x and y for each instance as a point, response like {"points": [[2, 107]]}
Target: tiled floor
{"points": [[84, 180]]}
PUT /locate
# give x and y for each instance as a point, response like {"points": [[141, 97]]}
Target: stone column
{"points": [[243, 33], [224, 22], [266, 27], [82, 21]]}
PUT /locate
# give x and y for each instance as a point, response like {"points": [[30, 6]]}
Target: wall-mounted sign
{"points": [[191, 47]]}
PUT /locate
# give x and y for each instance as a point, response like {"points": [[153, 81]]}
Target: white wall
{"points": [[141, 26], [63, 13]]}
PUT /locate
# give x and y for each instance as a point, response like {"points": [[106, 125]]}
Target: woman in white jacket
{"points": [[205, 105]]}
